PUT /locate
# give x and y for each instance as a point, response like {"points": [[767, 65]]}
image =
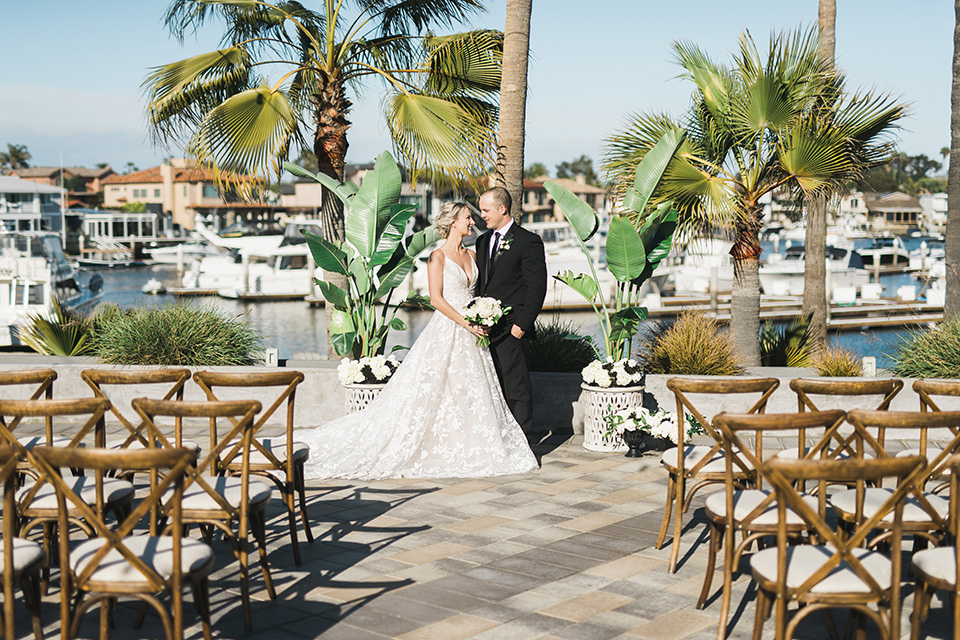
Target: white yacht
{"points": [[887, 249], [784, 275], [34, 270], [182, 252], [694, 265]]}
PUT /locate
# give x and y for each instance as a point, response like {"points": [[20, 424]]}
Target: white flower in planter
{"points": [[620, 373]]}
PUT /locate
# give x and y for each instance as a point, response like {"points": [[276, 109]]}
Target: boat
{"points": [[34, 271], [888, 249], [154, 287], [693, 266], [182, 252], [784, 275]]}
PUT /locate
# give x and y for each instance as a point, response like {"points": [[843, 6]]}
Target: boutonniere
{"points": [[505, 245]]}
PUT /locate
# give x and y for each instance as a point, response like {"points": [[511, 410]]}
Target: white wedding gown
{"points": [[442, 415]]}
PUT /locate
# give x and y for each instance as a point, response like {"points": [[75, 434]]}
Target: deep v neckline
{"points": [[464, 271]]}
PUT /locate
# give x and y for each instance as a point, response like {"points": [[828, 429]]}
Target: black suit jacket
{"points": [[517, 276]]}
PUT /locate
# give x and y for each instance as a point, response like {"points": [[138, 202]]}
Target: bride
{"points": [[442, 415]]}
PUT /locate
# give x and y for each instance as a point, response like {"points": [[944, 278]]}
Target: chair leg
{"points": [[716, 541], [668, 509], [288, 501], [31, 596], [201, 600], [241, 550], [762, 613], [677, 526], [259, 527], [302, 490], [920, 600]]}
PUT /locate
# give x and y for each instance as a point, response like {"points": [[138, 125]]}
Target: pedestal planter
{"points": [[599, 402], [634, 441], [358, 396]]}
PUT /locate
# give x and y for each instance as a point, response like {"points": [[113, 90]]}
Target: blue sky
{"points": [[70, 83]]}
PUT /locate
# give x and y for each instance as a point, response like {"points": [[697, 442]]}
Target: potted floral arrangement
{"points": [[365, 377], [375, 258], [654, 430], [638, 239]]}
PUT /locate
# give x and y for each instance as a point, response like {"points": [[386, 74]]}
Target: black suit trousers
{"points": [[511, 358]]}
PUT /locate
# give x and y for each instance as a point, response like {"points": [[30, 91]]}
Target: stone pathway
{"points": [[566, 552]]}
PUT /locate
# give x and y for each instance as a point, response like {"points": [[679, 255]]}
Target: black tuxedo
{"points": [[517, 277]]}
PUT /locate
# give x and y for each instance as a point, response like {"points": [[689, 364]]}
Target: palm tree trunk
{"points": [[745, 298], [815, 268], [952, 307], [330, 146], [513, 101]]}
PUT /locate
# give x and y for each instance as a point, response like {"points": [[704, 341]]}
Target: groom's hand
{"points": [[516, 332]]}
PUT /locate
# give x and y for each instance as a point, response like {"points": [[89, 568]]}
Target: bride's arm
{"points": [[435, 278]]}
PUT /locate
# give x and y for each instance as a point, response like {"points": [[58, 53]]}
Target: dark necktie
{"points": [[494, 245]]}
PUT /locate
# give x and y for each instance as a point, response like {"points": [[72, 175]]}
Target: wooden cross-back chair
{"points": [[211, 497], [838, 572], [40, 386], [927, 390], [939, 567], [122, 561], [702, 463], [22, 559], [270, 456], [754, 510], [100, 382], [925, 513]]}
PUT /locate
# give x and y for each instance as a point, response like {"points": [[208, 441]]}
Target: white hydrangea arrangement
{"points": [[620, 373], [370, 370], [485, 312], [659, 423]]}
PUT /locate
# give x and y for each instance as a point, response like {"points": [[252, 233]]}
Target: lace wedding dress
{"points": [[442, 415]]}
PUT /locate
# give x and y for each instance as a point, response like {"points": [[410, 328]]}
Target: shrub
{"points": [[786, 346], [67, 333], [174, 334], [559, 348], [838, 362], [693, 345], [931, 353]]}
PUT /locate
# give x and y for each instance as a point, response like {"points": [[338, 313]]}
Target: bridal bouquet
{"points": [[366, 370], [484, 312], [622, 373]]}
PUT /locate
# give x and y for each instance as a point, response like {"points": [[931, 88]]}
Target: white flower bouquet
{"points": [[367, 370], [622, 373], [659, 424], [484, 312]]}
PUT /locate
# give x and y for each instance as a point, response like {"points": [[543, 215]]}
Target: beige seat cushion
{"points": [[693, 453], [28, 556], [932, 452], [939, 563], [278, 447], [196, 498], [136, 445], [29, 442], [115, 491], [746, 501], [792, 454], [874, 497], [804, 560], [157, 553]]}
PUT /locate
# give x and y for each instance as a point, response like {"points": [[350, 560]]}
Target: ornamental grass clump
{"points": [[559, 347], [693, 345], [931, 353], [176, 334], [838, 362]]}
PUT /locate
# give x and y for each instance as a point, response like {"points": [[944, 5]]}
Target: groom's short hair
{"points": [[500, 196]]}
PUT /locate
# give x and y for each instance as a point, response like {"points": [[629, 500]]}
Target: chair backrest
{"points": [[238, 437], [99, 380], [806, 387], [174, 461], [927, 388], [284, 386], [682, 388], [40, 381], [8, 465], [784, 475]]}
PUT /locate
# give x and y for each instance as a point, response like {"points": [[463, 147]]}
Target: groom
{"points": [[513, 270]]}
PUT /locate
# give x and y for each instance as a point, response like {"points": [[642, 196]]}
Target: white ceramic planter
{"points": [[599, 402], [358, 396]]}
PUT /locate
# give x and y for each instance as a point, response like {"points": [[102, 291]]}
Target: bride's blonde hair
{"points": [[449, 213]]}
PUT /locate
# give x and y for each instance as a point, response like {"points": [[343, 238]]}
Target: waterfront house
{"points": [[27, 205], [84, 186], [895, 212]]}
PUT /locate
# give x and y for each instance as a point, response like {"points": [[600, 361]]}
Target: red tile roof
{"points": [[152, 175]]}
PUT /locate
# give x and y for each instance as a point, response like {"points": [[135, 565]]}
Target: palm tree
{"points": [[815, 294], [758, 125], [438, 111], [952, 303], [513, 101], [15, 157]]}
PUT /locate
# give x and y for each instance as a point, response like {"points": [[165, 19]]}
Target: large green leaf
{"points": [[327, 255], [393, 277], [578, 213], [333, 294], [624, 323], [419, 241], [657, 233], [342, 332], [626, 257], [370, 208], [392, 234], [651, 169], [360, 276], [582, 284], [343, 190]]}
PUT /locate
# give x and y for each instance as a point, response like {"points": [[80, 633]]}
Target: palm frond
{"points": [[67, 333], [465, 63]]}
